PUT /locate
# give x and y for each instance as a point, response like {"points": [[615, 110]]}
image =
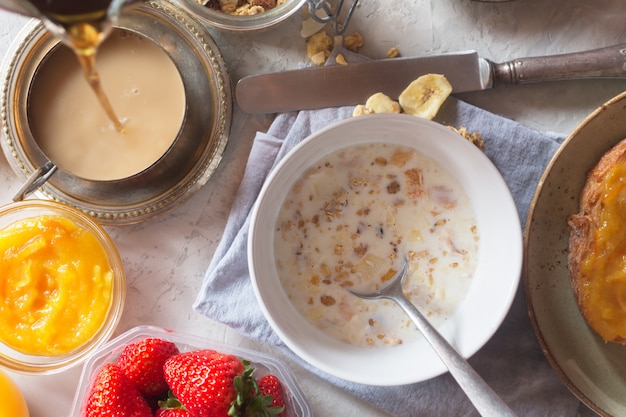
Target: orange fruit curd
{"points": [[55, 285]]}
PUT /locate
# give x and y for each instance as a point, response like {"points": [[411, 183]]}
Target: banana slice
{"points": [[424, 96], [360, 110], [381, 103]]}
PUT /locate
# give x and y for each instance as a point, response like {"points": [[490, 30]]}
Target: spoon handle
{"points": [[486, 401]]}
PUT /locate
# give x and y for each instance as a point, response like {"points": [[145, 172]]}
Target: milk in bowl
{"points": [[351, 220]]}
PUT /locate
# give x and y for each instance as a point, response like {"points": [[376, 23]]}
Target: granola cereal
{"points": [[349, 221], [242, 7]]}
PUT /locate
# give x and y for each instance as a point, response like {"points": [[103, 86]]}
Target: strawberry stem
{"points": [[250, 402], [171, 402]]}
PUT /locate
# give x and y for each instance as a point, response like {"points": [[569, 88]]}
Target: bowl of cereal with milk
{"points": [[346, 208], [243, 15]]}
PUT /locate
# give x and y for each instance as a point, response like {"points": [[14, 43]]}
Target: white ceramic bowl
{"points": [[495, 280]]}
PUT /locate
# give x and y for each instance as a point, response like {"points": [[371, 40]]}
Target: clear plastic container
{"points": [[296, 403]]}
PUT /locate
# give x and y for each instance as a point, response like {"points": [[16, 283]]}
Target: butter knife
{"points": [[351, 84]]}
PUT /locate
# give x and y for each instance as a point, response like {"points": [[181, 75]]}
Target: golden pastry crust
{"points": [[583, 228]]}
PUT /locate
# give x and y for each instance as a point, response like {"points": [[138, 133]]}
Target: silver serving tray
{"points": [[181, 171]]}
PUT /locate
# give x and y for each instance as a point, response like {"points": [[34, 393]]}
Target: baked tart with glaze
{"points": [[597, 247]]}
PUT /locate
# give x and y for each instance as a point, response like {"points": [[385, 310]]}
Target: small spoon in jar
{"points": [[486, 401]]}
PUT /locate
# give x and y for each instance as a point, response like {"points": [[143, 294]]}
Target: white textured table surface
{"points": [[166, 258]]}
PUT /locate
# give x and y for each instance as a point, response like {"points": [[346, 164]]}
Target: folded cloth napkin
{"points": [[511, 362]]}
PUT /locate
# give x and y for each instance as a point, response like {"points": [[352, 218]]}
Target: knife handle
{"points": [[609, 62]]}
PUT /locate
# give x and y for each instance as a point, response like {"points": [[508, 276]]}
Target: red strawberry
{"points": [[203, 381], [113, 395], [143, 361], [269, 385]]}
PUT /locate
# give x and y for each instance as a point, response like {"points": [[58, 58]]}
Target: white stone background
{"points": [[166, 257]]}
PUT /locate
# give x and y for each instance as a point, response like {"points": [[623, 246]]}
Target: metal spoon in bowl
{"points": [[486, 401]]}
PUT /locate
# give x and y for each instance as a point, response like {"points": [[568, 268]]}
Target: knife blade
{"points": [[351, 84]]}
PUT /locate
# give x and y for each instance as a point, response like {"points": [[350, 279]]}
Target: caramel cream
{"points": [[145, 89]]}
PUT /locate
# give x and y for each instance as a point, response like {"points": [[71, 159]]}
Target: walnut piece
{"points": [[341, 60], [393, 52], [474, 137], [353, 42], [265, 4], [318, 48]]}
